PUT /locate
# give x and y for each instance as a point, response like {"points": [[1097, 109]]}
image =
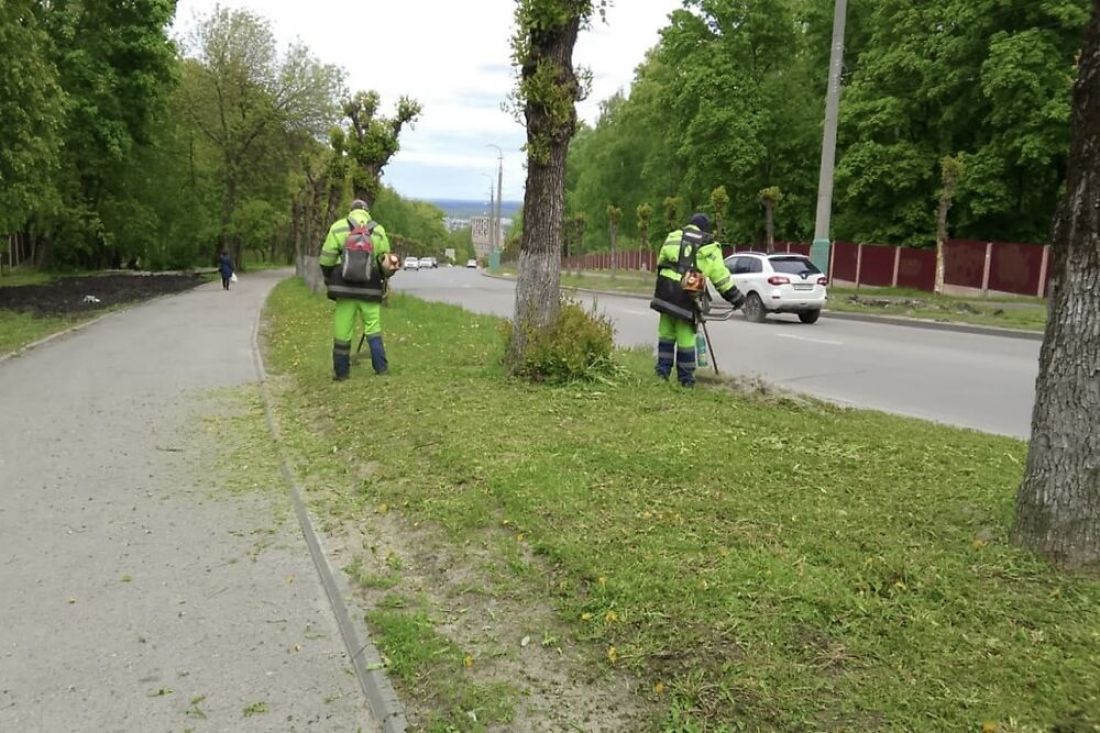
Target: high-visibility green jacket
{"points": [[684, 249], [332, 250]]}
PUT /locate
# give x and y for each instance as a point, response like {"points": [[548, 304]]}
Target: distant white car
{"points": [[778, 283], [471, 263], [412, 263], [426, 262]]}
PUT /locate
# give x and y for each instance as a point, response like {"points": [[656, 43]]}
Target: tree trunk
{"points": [[229, 203], [940, 266], [941, 238], [769, 225], [538, 288], [1058, 504], [614, 253]]}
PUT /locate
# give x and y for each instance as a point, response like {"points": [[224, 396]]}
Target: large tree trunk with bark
{"points": [[538, 293], [538, 288], [1058, 505]]}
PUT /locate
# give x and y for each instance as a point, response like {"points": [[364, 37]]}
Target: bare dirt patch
{"points": [[91, 293], [511, 637]]}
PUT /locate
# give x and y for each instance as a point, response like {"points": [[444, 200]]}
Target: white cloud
{"points": [[454, 57]]}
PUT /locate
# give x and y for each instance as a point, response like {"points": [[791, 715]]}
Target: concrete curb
{"points": [[365, 658], [864, 317], [1014, 333]]}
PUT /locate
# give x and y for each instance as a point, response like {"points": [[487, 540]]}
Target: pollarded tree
{"points": [[614, 221], [372, 140], [719, 203], [545, 97], [770, 198], [951, 168], [645, 215], [671, 206]]}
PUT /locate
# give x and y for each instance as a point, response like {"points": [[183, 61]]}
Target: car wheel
{"points": [[754, 309], [809, 316]]}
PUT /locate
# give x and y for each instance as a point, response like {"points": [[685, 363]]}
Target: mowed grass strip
{"points": [[762, 562]]}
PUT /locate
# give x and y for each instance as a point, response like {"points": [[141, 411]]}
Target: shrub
{"points": [[577, 347]]}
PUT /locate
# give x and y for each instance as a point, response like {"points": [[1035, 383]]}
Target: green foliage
{"points": [[462, 241], [256, 107], [125, 148], [732, 97], [372, 140], [577, 347], [31, 105], [415, 227], [984, 79], [546, 88]]}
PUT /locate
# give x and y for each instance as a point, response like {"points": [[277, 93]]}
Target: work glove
{"points": [[734, 297], [327, 271]]}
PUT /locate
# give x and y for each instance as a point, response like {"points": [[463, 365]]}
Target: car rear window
{"points": [[793, 265]]}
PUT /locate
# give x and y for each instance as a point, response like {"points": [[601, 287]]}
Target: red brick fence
{"points": [[970, 267]]}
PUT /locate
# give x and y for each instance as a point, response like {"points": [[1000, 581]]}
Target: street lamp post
{"points": [[492, 204], [819, 252], [499, 235]]}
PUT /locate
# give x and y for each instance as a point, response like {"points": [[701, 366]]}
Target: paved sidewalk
{"points": [[136, 594]]}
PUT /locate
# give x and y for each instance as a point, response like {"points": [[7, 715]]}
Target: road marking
{"points": [[806, 338]]}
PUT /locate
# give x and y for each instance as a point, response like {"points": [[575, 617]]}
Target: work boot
{"points": [[666, 352], [378, 354], [685, 366], [341, 360]]}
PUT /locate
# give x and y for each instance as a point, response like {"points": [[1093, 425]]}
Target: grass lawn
{"points": [[752, 561], [21, 276], [19, 329], [1004, 311]]}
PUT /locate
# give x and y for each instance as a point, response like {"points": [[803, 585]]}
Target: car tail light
{"points": [[779, 280], [823, 281]]}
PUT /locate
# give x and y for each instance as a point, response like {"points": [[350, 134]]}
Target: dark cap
{"points": [[702, 221]]}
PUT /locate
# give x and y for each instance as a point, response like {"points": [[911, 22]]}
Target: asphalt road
{"points": [[975, 381], [136, 592]]}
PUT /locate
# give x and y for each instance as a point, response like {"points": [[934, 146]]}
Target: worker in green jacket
{"points": [[356, 262], [687, 256]]}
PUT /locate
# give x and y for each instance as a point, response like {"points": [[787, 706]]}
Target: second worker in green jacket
{"points": [[688, 250]]}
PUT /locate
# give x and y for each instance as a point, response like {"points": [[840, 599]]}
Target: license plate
{"points": [[800, 286]]}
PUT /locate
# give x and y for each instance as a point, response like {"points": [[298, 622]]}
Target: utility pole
{"points": [[499, 236], [492, 206], [819, 252]]}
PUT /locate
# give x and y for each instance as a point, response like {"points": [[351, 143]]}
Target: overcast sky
{"points": [[455, 60]]}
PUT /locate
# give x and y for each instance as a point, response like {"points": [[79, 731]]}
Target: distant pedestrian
{"points": [[225, 267]]}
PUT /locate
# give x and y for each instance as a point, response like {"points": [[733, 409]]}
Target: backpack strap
{"points": [[692, 241]]}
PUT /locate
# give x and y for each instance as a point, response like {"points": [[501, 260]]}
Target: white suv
{"points": [[778, 283], [411, 263]]}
